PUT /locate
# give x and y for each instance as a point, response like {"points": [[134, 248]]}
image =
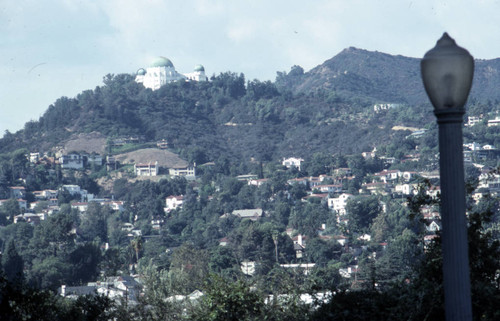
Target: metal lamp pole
{"points": [[447, 72]]}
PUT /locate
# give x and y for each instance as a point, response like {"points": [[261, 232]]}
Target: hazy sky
{"points": [[55, 48]]}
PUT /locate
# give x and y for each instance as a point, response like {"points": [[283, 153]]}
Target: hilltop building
{"points": [[162, 71]]}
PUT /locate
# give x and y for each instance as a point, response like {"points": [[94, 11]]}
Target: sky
{"points": [[55, 48]]}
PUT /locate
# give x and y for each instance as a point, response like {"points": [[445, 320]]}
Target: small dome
{"points": [[199, 68], [161, 62], [141, 72]]}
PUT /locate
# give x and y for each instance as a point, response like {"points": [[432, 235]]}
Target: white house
{"points": [[75, 189], [494, 122], [252, 214], [406, 189], [146, 169], [184, 171], [292, 162], [71, 161], [338, 203], [173, 202], [330, 188]]}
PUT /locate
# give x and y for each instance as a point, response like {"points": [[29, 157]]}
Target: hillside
{"points": [[328, 109], [164, 158], [387, 78]]}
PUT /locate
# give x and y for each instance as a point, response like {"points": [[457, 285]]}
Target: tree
{"points": [[12, 264], [225, 300], [94, 222], [361, 211], [188, 269]]}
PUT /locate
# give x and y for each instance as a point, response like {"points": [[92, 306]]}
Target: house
{"points": [[22, 203], [34, 157], [292, 162], [173, 202], [146, 169], [252, 214], [434, 226], [329, 188], [349, 271], [116, 288], [74, 292], [224, 241], [257, 182], [343, 171], [434, 191], [323, 197], [111, 163], [494, 122], [246, 177], [157, 222], [29, 218], [71, 161], [303, 181], [406, 189], [45, 194], [162, 144], [389, 175], [339, 203], [299, 245], [76, 190], [248, 267], [304, 267], [376, 188], [94, 159], [341, 239], [81, 206], [183, 171], [17, 192], [473, 120]]}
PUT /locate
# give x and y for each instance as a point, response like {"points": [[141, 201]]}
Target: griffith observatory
{"points": [[161, 71]]}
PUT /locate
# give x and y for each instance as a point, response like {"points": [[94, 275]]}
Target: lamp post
{"points": [[447, 72]]}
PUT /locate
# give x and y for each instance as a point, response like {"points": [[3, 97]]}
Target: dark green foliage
{"points": [[25, 303], [361, 211], [225, 300], [12, 264]]}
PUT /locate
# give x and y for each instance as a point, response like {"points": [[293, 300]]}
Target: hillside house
{"points": [[71, 161], [377, 188], [339, 203], [173, 202], [494, 122], [303, 181], [329, 188], [473, 120], [22, 203], [17, 192], [257, 182], [146, 169], [252, 214], [76, 190], [389, 175], [80, 206], [45, 194], [406, 189], [93, 159], [189, 172], [292, 162], [30, 218], [34, 158]]}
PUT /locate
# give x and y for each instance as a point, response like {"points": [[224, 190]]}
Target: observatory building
{"points": [[162, 71]]}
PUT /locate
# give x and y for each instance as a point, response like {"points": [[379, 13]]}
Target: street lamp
{"points": [[447, 72]]}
